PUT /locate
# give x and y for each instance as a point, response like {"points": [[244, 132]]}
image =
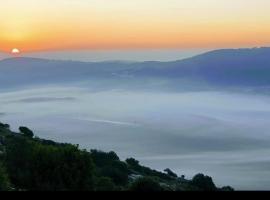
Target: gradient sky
{"points": [[37, 25]]}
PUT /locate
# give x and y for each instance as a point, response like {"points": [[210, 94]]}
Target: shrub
{"points": [[204, 182], [146, 184], [26, 132]]}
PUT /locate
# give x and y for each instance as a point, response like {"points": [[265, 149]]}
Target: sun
{"points": [[15, 51]]}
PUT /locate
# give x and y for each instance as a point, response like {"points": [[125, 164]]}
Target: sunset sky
{"points": [[39, 25]]}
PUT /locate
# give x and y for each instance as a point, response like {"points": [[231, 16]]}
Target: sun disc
{"points": [[15, 51]]}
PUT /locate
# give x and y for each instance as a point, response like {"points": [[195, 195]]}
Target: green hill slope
{"points": [[28, 163]]}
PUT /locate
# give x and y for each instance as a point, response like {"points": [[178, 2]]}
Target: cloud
{"points": [[111, 122], [43, 99]]}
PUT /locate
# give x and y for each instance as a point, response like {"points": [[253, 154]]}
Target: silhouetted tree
{"points": [[103, 158], [227, 188], [5, 126], [170, 173], [26, 132], [204, 182], [132, 162]]}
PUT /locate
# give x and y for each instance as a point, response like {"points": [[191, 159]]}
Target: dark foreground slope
{"points": [[31, 163]]}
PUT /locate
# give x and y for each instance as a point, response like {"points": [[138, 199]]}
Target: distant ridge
{"points": [[229, 52], [226, 67], [222, 68]]}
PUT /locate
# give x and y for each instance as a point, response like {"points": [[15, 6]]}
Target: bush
{"points": [[5, 126], [26, 132], [117, 171], [227, 189], [105, 184], [4, 180], [204, 182], [146, 185], [102, 158], [171, 173], [35, 166], [132, 162], [109, 165]]}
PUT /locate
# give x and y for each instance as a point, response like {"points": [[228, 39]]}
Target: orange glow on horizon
{"points": [[37, 25]]}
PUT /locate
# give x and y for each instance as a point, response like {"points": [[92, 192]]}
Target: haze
{"points": [[210, 132]]}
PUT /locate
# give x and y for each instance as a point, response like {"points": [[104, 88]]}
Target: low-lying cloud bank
{"points": [[222, 134]]}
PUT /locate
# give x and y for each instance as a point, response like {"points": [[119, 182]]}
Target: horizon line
{"points": [[27, 55]]}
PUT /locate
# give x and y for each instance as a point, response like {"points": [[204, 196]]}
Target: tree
{"points": [[105, 184], [102, 158], [204, 182], [132, 162], [32, 165], [26, 132], [4, 180], [227, 189], [134, 165], [5, 126], [170, 173], [117, 171], [146, 184]]}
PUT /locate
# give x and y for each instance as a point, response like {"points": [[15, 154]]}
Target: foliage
{"points": [[5, 126], [4, 180], [105, 184], [35, 166], [146, 184], [146, 171], [132, 162], [170, 173], [109, 165], [204, 182], [31, 163], [227, 188], [102, 158], [26, 132]]}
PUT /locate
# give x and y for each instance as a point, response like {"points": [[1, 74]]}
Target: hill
{"points": [[215, 69], [228, 67], [29, 163]]}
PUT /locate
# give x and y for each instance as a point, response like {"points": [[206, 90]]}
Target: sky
{"points": [[42, 25]]}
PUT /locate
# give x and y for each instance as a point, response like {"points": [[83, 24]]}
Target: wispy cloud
{"points": [[43, 99], [104, 121], [2, 114]]}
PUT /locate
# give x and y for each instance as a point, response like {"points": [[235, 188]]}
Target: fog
{"points": [[225, 135], [107, 55]]}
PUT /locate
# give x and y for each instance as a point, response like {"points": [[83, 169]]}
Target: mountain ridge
{"points": [[225, 68]]}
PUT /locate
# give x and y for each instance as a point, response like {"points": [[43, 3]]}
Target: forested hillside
{"points": [[28, 163]]}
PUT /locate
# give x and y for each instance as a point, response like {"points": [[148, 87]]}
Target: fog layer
{"points": [[225, 135]]}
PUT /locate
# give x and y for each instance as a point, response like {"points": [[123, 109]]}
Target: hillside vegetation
{"points": [[28, 163]]}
